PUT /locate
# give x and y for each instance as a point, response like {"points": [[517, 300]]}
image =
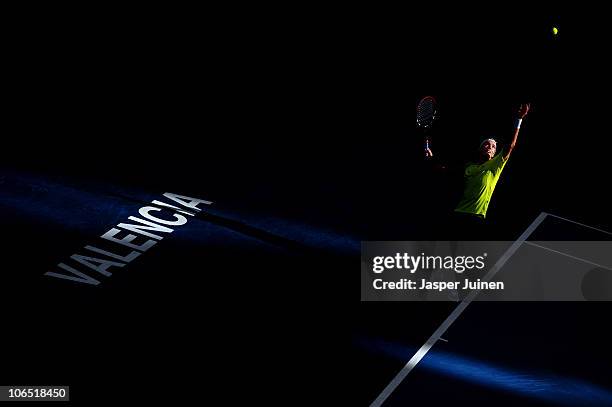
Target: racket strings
{"points": [[425, 112]]}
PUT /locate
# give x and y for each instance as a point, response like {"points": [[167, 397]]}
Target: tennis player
{"points": [[480, 179]]}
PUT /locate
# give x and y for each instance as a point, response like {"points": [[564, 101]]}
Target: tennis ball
{"points": [[555, 30]]}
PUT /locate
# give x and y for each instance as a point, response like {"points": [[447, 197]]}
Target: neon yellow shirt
{"points": [[480, 181]]}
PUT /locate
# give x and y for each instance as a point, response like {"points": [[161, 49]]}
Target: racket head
{"points": [[426, 112]]}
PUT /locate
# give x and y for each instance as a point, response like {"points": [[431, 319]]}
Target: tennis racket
{"points": [[425, 116]]}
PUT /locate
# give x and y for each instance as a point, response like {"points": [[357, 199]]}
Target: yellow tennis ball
{"points": [[555, 30]]}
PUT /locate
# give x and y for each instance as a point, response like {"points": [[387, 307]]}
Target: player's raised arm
{"points": [[523, 110], [428, 152]]}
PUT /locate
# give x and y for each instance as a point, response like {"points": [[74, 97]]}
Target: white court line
{"points": [[420, 354], [568, 255], [581, 224]]}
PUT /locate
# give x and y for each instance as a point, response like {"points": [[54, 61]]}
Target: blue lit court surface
{"points": [[213, 295], [512, 353]]}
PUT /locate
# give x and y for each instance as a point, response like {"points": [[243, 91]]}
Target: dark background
{"points": [[480, 68], [296, 114]]}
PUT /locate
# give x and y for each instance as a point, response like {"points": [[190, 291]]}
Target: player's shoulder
{"points": [[499, 157]]}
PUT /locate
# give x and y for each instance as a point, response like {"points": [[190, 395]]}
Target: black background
{"points": [[302, 113]]}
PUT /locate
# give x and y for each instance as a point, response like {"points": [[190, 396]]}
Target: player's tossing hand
{"points": [[523, 110], [428, 153]]}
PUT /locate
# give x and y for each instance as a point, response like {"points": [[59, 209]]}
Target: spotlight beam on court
{"points": [[436, 336]]}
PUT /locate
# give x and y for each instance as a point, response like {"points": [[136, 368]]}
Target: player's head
{"points": [[488, 147]]}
